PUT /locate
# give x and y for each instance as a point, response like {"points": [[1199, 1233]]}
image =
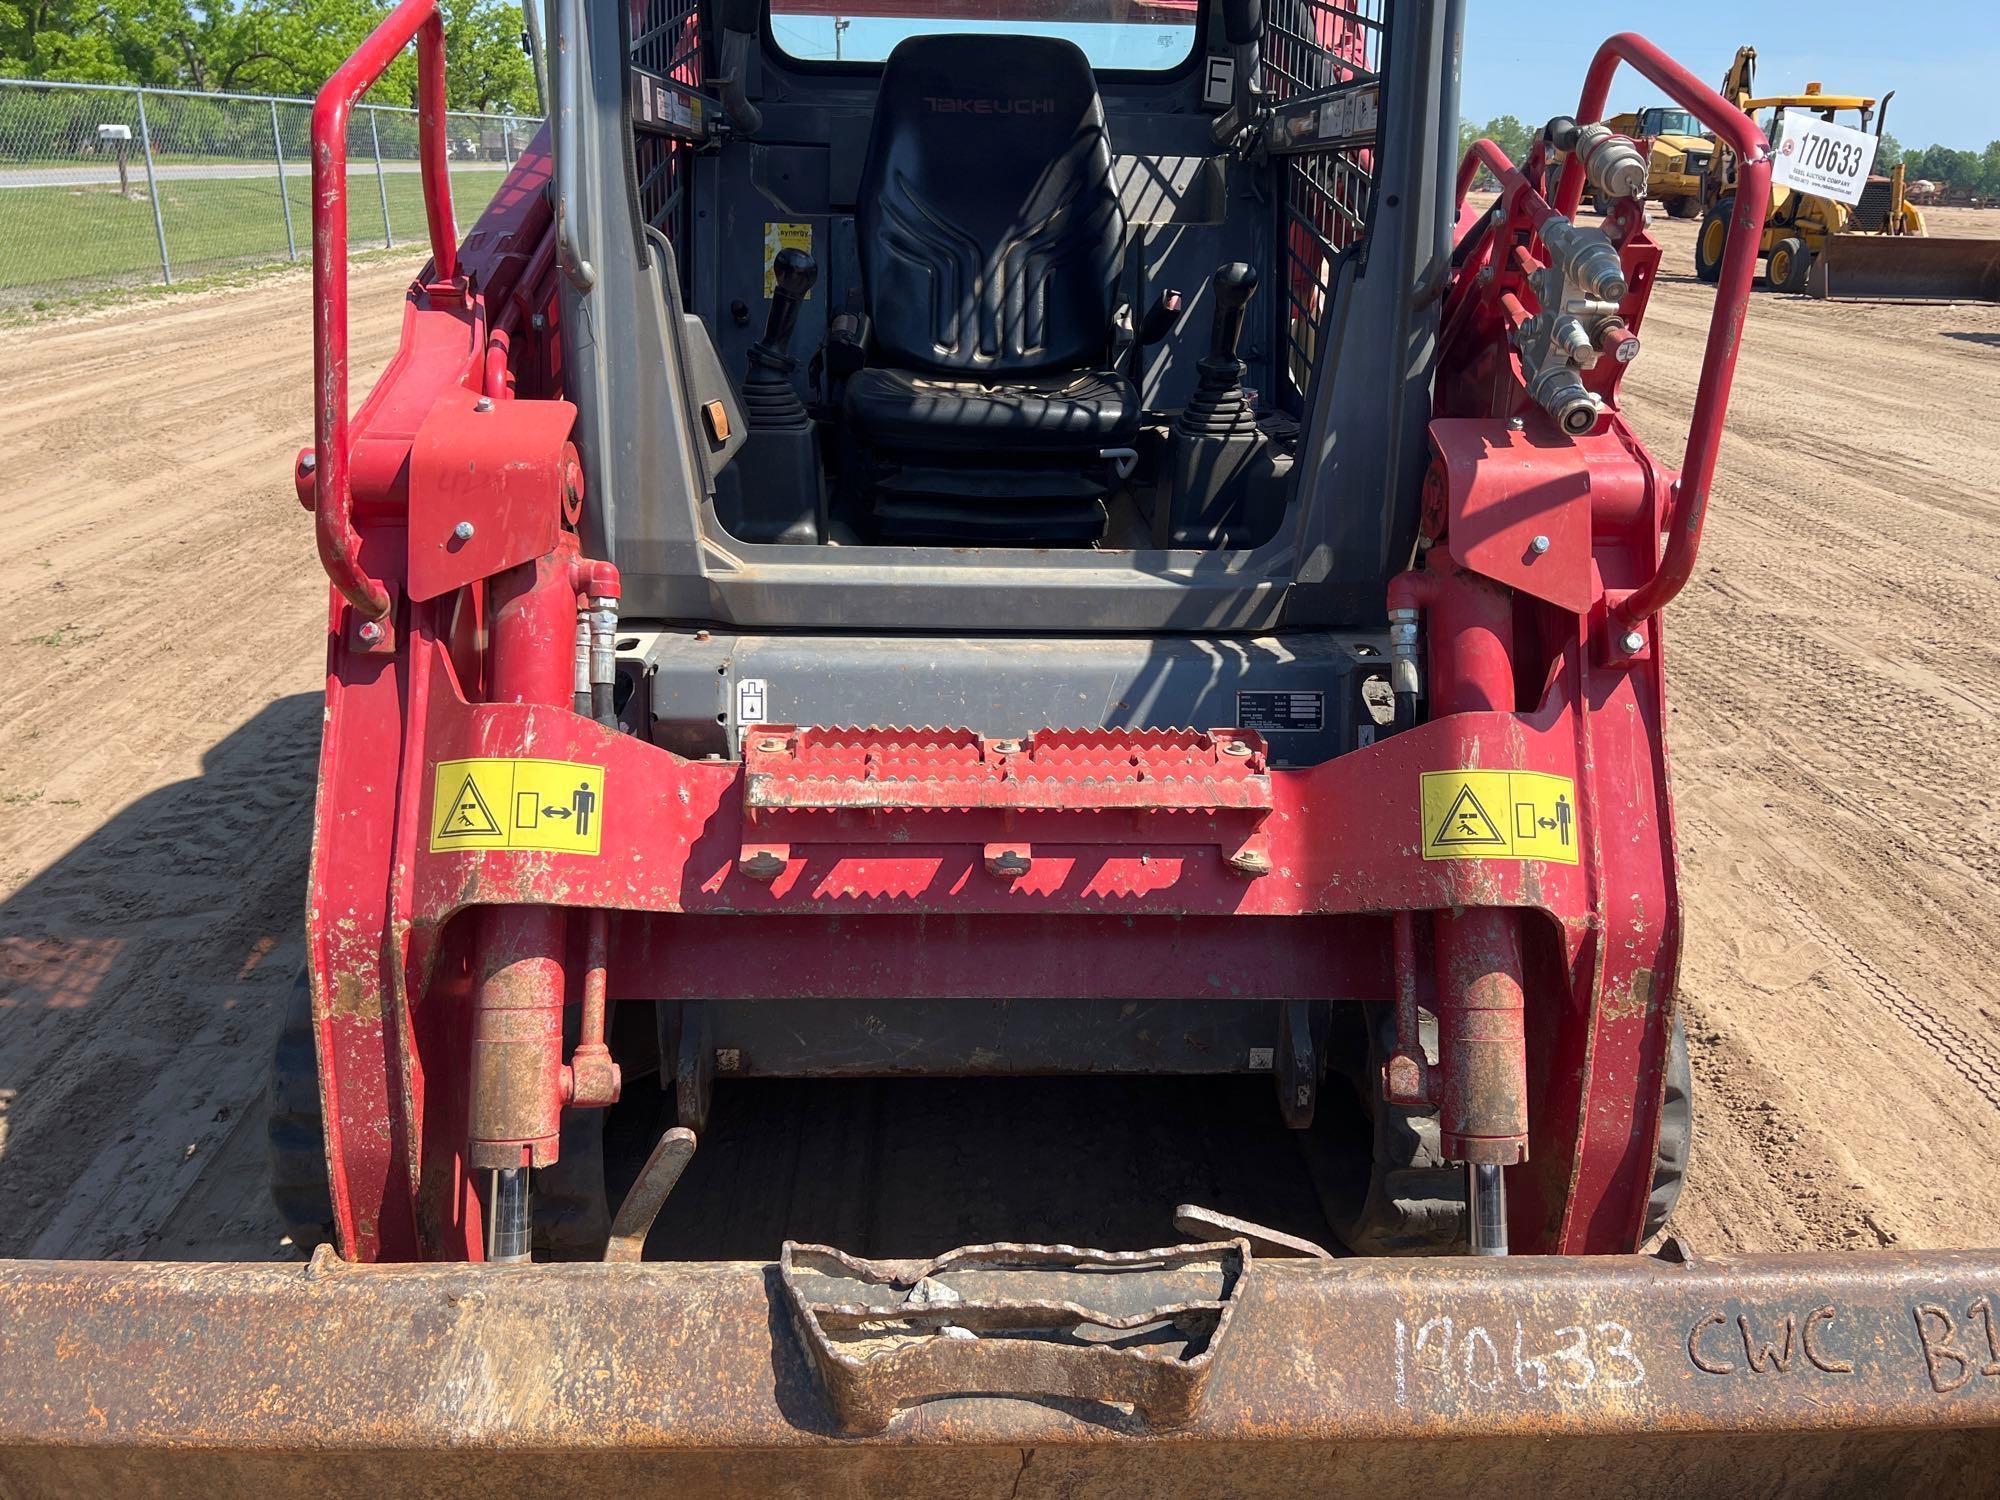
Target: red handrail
{"points": [[339, 544], [1732, 294], [1488, 154]]}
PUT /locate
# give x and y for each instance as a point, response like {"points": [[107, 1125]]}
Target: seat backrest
{"points": [[989, 224]]}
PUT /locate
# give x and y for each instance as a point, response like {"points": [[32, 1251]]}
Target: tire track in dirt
{"points": [[1976, 1063], [1833, 683]]}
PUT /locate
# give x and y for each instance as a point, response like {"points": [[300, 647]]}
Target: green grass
{"points": [[136, 164], [71, 300], [61, 636], [59, 242]]}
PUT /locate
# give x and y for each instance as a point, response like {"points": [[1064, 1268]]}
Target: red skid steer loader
{"points": [[1003, 626]]}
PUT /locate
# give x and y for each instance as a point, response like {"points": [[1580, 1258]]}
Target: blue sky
{"points": [[1942, 59]]}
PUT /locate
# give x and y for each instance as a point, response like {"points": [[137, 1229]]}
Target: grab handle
{"points": [[333, 500], [1732, 296]]}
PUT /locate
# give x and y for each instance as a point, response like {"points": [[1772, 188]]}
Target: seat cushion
{"points": [[1063, 413]]}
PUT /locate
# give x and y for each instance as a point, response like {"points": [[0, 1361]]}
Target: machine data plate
{"points": [[1281, 712]]}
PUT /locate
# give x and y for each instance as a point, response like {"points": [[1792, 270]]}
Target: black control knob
{"points": [[1232, 285], [793, 273]]}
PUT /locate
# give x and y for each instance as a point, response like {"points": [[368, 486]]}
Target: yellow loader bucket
{"points": [[1008, 1370], [1903, 268]]}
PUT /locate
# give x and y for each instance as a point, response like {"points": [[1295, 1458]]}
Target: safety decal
{"points": [[781, 236], [1499, 815], [552, 805]]}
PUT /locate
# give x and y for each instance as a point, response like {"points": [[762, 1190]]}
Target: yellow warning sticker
{"points": [[552, 805], [783, 237], [1499, 815]]}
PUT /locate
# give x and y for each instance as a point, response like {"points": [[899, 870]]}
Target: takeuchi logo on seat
{"points": [[945, 105]]}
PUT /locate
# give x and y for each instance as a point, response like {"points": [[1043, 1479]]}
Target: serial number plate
{"points": [[1281, 713]]}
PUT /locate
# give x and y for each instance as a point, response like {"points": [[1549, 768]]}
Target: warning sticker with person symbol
{"points": [[1499, 815], [552, 805]]}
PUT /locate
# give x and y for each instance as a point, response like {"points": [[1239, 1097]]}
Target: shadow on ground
{"points": [[141, 979]]}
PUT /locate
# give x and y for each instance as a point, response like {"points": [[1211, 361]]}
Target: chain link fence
{"points": [[106, 186]]}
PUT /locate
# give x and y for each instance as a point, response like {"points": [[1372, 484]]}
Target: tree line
{"points": [[259, 46], [1976, 172]]}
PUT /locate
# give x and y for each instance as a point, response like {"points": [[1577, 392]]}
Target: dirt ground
{"points": [[1836, 735]]}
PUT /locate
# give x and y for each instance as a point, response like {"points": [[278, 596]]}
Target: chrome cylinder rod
{"points": [[1486, 1208], [508, 1216]]}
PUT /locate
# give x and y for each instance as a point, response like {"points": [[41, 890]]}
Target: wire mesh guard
{"points": [[666, 40], [1311, 45], [104, 187]]}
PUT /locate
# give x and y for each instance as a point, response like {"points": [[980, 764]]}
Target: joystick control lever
{"points": [[793, 273], [1216, 488], [773, 491], [1232, 286]]}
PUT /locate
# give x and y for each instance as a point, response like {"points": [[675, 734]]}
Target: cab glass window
{"points": [[1130, 35], [1670, 122]]}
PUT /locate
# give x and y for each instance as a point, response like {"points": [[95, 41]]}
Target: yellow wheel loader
{"points": [[1871, 248]]}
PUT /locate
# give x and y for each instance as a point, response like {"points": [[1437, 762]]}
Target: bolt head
{"points": [[463, 531], [370, 632], [1008, 861], [308, 462], [1632, 642], [1252, 862], [484, 403], [1515, 424], [1539, 545]]}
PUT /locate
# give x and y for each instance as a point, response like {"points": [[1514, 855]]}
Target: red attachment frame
{"points": [[1732, 293], [339, 544], [839, 865]]}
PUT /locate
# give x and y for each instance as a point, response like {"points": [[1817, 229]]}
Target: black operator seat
{"points": [[991, 238]]}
